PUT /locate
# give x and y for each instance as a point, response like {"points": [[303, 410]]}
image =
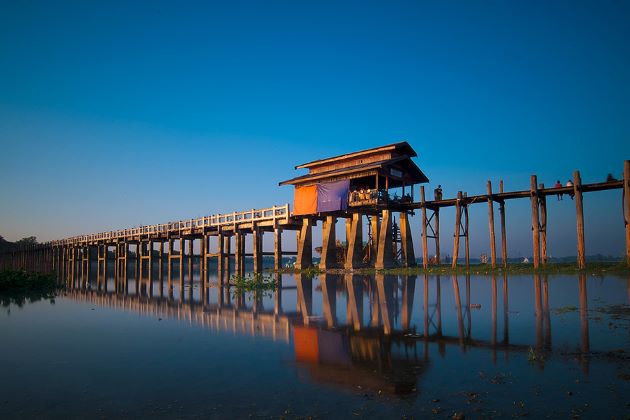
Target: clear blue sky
{"points": [[124, 113]]}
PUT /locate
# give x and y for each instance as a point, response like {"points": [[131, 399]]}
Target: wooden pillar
{"points": [[220, 254], [375, 225], [579, 216], [535, 220], [425, 242], [626, 206], [329, 246], [542, 203], [182, 256], [227, 248], [277, 249], [238, 238], [406, 243], [257, 249], [354, 256], [436, 224], [493, 245], [305, 245], [467, 238], [203, 260], [384, 256], [503, 233], [458, 223]]}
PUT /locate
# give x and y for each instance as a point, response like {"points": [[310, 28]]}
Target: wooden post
{"points": [[626, 206], [374, 222], [425, 242], [467, 238], [406, 243], [203, 261], [579, 216], [436, 224], [220, 254], [227, 248], [277, 249], [543, 226], [329, 254], [305, 245], [384, 256], [238, 258], [458, 222], [535, 220], [354, 257], [503, 233], [493, 245], [257, 249]]}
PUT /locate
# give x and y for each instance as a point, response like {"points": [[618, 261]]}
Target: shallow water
{"points": [[327, 346]]}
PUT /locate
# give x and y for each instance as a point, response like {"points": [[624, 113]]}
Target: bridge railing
{"points": [[229, 219]]}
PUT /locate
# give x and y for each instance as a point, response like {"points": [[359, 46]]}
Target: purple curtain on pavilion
{"points": [[332, 196]]}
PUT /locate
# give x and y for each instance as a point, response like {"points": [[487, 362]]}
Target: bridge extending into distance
{"points": [[355, 187]]}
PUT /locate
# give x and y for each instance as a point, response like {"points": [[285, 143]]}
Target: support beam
{"points": [[542, 204], [329, 245], [384, 256], [535, 220], [277, 248], [579, 218], [626, 206], [257, 249], [305, 245], [220, 253], [354, 256], [493, 245], [375, 225], [406, 243], [503, 232], [458, 224], [425, 242]]}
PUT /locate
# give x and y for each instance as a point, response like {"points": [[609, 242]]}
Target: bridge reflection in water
{"points": [[376, 343]]}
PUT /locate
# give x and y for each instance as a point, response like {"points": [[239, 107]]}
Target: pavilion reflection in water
{"points": [[377, 345]]}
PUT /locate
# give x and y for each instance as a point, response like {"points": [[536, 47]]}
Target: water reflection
{"points": [[351, 329]]}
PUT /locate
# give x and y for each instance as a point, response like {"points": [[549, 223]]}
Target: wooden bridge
{"points": [[389, 243]]}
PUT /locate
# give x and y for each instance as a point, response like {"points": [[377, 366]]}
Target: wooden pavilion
{"points": [[356, 179]]}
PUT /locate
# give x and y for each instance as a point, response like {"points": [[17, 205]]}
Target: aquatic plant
{"points": [[19, 286], [257, 283]]}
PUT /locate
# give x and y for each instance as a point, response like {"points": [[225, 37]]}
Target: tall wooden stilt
{"points": [[542, 203], [503, 232], [626, 206], [384, 256], [406, 243], [354, 257], [257, 249], [436, 229], [458, 224], [579, 216], [305, 245], [329, 251], [535, 220], [425, 242], [375, 227], [493, 245], [467, 237], [277, 248]]}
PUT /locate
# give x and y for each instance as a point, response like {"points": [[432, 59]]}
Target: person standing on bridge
{"points": [[570, 184], [558, 185], [438, 192]]}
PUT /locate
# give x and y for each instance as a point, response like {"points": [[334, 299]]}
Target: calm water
{"points": [[328, 346]]}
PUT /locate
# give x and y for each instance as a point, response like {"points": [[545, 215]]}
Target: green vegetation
{"points": [[593, 268], [18, 287], [257, 283]]}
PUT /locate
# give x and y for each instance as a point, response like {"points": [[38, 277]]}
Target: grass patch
{"points": [[257, 283], [594, 268], [18, 287]]}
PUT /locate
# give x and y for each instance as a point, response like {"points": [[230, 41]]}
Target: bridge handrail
{"points": [[254, 215]]}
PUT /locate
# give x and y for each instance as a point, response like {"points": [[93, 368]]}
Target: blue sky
{"points": [[116, 114]]}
